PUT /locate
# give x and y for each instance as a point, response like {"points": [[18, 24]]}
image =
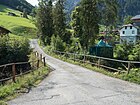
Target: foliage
{"points": [[88, 15], [59, 20], [76, 24], [12, 51], [45, 21], [90, 19], [128, 52], [135, 54], [57, 43], [109, 13], [129, 8], [127, 20]]}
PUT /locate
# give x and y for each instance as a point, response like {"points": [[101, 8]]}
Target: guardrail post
{"points": [[37, 63], [44, 61], [129, 67], [99, 62], [14, 73], [40, 57], [84, 58], [74, 56]]}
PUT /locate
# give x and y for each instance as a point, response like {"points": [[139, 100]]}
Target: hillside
{"points": [[20, 5], [16, 24], [127, 7]]}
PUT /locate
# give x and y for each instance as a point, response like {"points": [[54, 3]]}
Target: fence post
{"points": [[14, 73], [37, 63], [129, 66], [74, 56], [99, 62], [40, 57], [44, 61], [84, 58]]}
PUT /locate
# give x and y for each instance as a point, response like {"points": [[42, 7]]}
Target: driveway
{"points": [[70, 84]]}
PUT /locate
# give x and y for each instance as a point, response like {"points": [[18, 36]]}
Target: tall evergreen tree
{"points": [[59, 19], [90, 20], [76, 24], [45, 21], [110, 13]]}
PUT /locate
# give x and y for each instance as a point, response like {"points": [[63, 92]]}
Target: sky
{"points": [[33, 2]]}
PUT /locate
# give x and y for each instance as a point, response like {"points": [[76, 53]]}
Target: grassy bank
{"points": [[23, 84], [133, 76], [16, 24]]}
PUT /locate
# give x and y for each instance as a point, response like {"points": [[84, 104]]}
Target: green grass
{"points": [[17, 25], [12, 90], [133, 76]]}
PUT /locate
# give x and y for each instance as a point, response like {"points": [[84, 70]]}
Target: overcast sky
{"points": [[33, 2]]}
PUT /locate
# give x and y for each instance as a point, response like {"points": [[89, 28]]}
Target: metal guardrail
{"points": [[98, 62]]}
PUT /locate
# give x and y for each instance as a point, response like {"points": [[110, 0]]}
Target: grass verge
{"points": [[133, 76], [23, 84]]}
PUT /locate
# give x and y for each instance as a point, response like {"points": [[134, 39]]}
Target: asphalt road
{"points": [[70, 84]]}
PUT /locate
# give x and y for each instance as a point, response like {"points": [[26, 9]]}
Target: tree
{"points": [[59, 20], [25, 14], [127, 20], [110, 13], [90, 19], [45, 21]]}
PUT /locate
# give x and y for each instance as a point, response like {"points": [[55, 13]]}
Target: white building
{"points": [[129, 34]]}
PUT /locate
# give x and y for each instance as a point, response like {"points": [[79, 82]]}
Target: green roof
{"points": [[102, 43]]}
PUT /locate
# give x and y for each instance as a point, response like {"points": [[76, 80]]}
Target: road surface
{"points": [[70, 84]]}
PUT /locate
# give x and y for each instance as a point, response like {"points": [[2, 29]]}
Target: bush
{"points": [[57, 43], [12, 51]]}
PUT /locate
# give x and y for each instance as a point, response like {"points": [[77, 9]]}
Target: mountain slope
{"points": [[127, 7], [20, 5], [16, 24]]}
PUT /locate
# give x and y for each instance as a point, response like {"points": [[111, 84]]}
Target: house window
{"points": [[123, 32], [125, 27], [133, 32], [130, 27]]}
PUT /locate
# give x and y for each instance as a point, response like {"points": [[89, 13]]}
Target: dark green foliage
{"points": [[127, 20], [129, 7], [57, 43], [76, 23], [25, 14], [12, 51], [128, 52], [109, 13], [45, 22], [18, 4], [59, 19], [90, 19]]}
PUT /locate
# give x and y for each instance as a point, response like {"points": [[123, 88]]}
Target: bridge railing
{"points": [[13, 70], [107, 63]]}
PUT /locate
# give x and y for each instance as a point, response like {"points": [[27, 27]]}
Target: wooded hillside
{"points": [[20, 5]]}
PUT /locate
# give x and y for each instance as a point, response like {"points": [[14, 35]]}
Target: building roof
{"points": [[128, 25], [101, 43], [4, 31], [135, 17]]}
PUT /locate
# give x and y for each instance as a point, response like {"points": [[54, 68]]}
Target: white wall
{"points": [[128, 31]]}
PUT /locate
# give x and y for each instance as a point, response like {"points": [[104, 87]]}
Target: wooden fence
{"points": [[13, 70], [107, 63]]}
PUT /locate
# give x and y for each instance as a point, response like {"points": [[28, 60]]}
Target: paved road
{"points": [[74, 85]]}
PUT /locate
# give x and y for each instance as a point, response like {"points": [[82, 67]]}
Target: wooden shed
{"points": [[4, 31]]}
